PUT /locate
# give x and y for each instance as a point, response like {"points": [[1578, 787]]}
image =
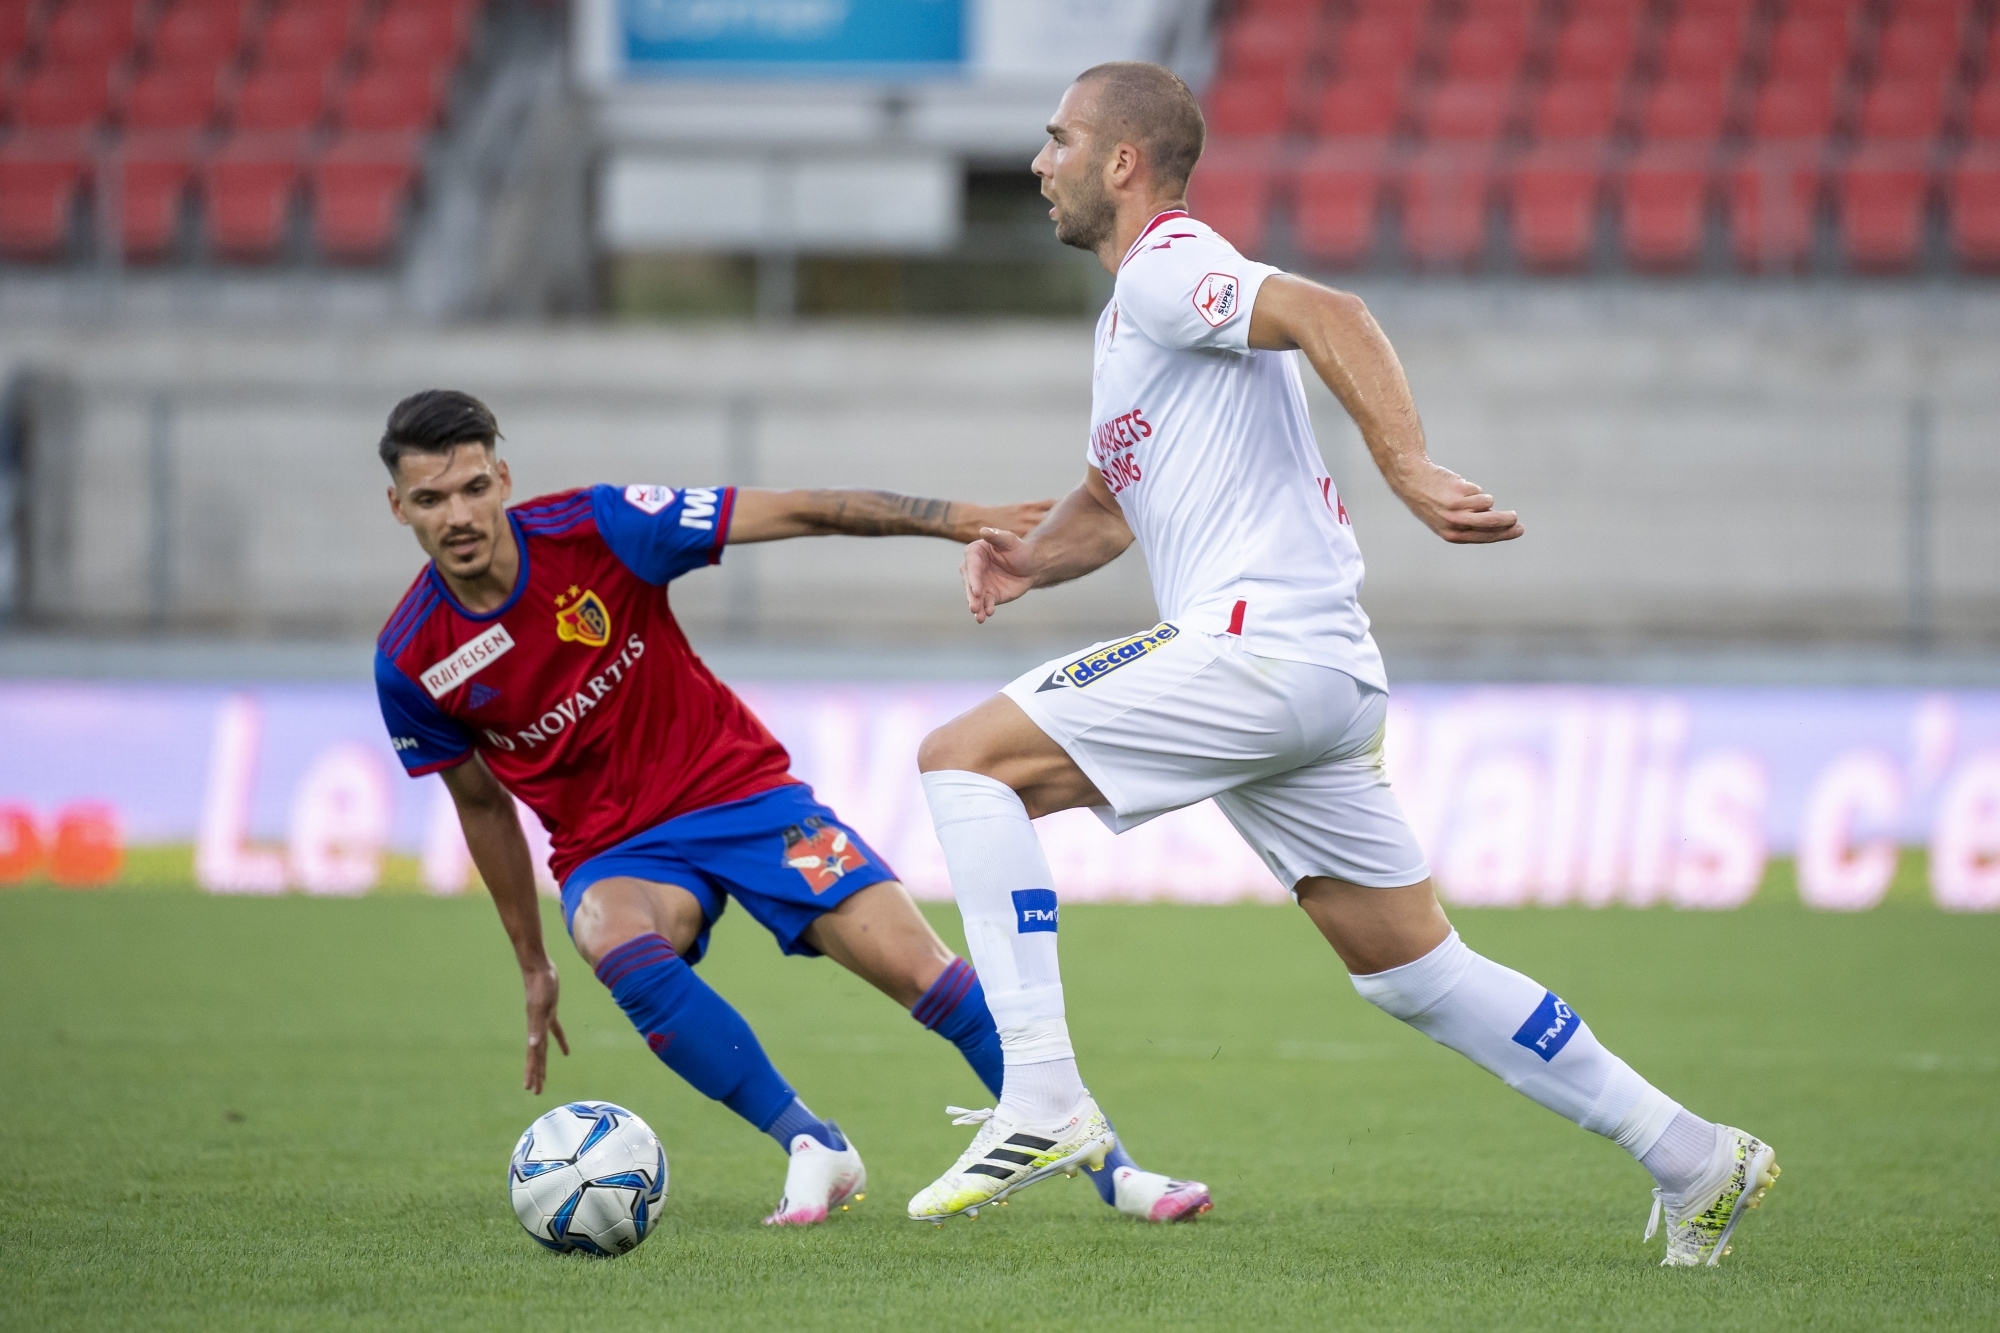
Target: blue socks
{"points": [[700, 1037], [955, 1008]]}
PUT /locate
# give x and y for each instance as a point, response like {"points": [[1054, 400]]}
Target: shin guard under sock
{"points": [[1520, 1031], [693, 1030]]}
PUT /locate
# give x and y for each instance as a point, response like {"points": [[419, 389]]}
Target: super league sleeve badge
{"points": [[582, 617]]}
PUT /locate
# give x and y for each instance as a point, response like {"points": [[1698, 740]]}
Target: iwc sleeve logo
{"points": [[581, 617]]}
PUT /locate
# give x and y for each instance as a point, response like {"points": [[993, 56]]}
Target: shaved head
{"points": [[1150, 107]]}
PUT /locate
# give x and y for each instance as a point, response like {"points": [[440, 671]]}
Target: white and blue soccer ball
{"points": [[588, 1176]]}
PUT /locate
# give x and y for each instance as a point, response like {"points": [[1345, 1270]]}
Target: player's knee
{"points": [[949, 748]]}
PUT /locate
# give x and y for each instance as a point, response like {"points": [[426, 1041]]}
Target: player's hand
{"points": [[996, 569], [1456, 509], [543, 986], [1020, 519]]}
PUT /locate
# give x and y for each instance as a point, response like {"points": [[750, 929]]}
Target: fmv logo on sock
{"points": [[1034, 909], [1549, 1028]]}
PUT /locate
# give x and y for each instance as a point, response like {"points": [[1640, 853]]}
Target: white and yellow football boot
{"points": [[818, 1179], [1698, 1229], [1006, 1157]]}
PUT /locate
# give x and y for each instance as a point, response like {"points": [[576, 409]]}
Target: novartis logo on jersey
{"points": [[569, 711]]}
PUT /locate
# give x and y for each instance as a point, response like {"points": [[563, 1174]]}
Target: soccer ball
{"points": [[588, 1176]]}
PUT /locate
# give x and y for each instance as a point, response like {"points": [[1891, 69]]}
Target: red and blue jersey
{"points": [[581, 692]]}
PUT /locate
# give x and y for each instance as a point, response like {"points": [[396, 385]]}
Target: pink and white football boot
{"points": [[1152, 1197], [818, 1180]]}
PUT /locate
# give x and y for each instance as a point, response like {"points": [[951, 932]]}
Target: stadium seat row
{"points": [[1554, 200], [1661, 106], [136, 102]]}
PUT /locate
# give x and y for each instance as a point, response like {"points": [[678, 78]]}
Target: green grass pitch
{"points": [[296, 1114]]}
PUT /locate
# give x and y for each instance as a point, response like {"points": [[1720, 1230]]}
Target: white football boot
{"points": [[1152, 1197], [1698, 1227], [818, 1180], [1005, 1157]]}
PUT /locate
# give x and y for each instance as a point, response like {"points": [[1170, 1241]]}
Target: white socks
{"points": [[1682, 1156], [1007, 897], [1518, 1030]]}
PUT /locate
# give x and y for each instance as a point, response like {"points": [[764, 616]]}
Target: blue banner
{"points": [[829, 37]]}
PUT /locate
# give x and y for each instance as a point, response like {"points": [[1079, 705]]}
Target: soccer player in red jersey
{"points": [[536, 657]]}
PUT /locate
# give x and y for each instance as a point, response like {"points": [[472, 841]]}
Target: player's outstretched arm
{"points": [[1086, 531], [1352, 355], [768, 516], [500, 850]]}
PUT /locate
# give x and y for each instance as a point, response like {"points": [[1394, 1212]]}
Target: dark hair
{"points": [[1149, 105], [434, 422]]}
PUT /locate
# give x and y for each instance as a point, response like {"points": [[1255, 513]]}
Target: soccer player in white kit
{"points": [[1260, 688]]}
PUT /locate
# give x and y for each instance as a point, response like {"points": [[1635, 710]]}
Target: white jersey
{"points": [[1209, 448]]}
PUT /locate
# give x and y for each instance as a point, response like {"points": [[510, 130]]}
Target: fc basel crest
{"points": [[821, 852], [582, 618]]}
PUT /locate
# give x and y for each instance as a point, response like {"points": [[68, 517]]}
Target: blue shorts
{"points": [[780, 853]]}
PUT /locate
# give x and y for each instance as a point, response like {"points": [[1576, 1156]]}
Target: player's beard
{"points": [[1087, 217]]}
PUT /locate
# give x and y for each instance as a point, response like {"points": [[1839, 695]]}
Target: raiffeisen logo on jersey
{"points": [[476, 654], [1101, 662], [1215, 298]]}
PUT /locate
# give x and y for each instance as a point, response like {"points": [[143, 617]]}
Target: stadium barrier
{"points": [[1523, 795]]}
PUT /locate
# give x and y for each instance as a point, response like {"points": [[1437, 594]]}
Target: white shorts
{"points": [[1291, 752]]}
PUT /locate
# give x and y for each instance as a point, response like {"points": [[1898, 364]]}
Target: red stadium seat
{"points": [[1982, 112], [1882, 209], [1338, 195], [1809, 46], [175, 97], [1261, 47], [1359, 106], [1919, 44], [13, 31], [249, 185], [359, 188], [37, 196], [1974, 190], [1381, 44], [153, 182], [1705, 46], [70, 98], [1794, 110], [307, 35], [428, 35], [1444, 193], [1773, 196], [1242, 108], [1596, 45], [1554, 198], [1234, 197], [1907, 108], [1663, 197], [410, 99], [87, 32], [194, 33], [1576, 108], [1467, 112], [279, 99], [1486, 47], [1684, 112]]}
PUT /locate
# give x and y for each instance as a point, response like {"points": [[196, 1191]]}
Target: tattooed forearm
{"points": [[882, 514]]}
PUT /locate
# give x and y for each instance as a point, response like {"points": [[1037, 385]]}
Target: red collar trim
{"points": [[1152, 226]]}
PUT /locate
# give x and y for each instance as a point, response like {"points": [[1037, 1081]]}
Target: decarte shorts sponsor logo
{"points": [[441, 678], [650, 499], [570, 710], [1549, 1028], [1034, 909], [1101, 662], [582, 617], [822, 853], [1215, 298]]}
